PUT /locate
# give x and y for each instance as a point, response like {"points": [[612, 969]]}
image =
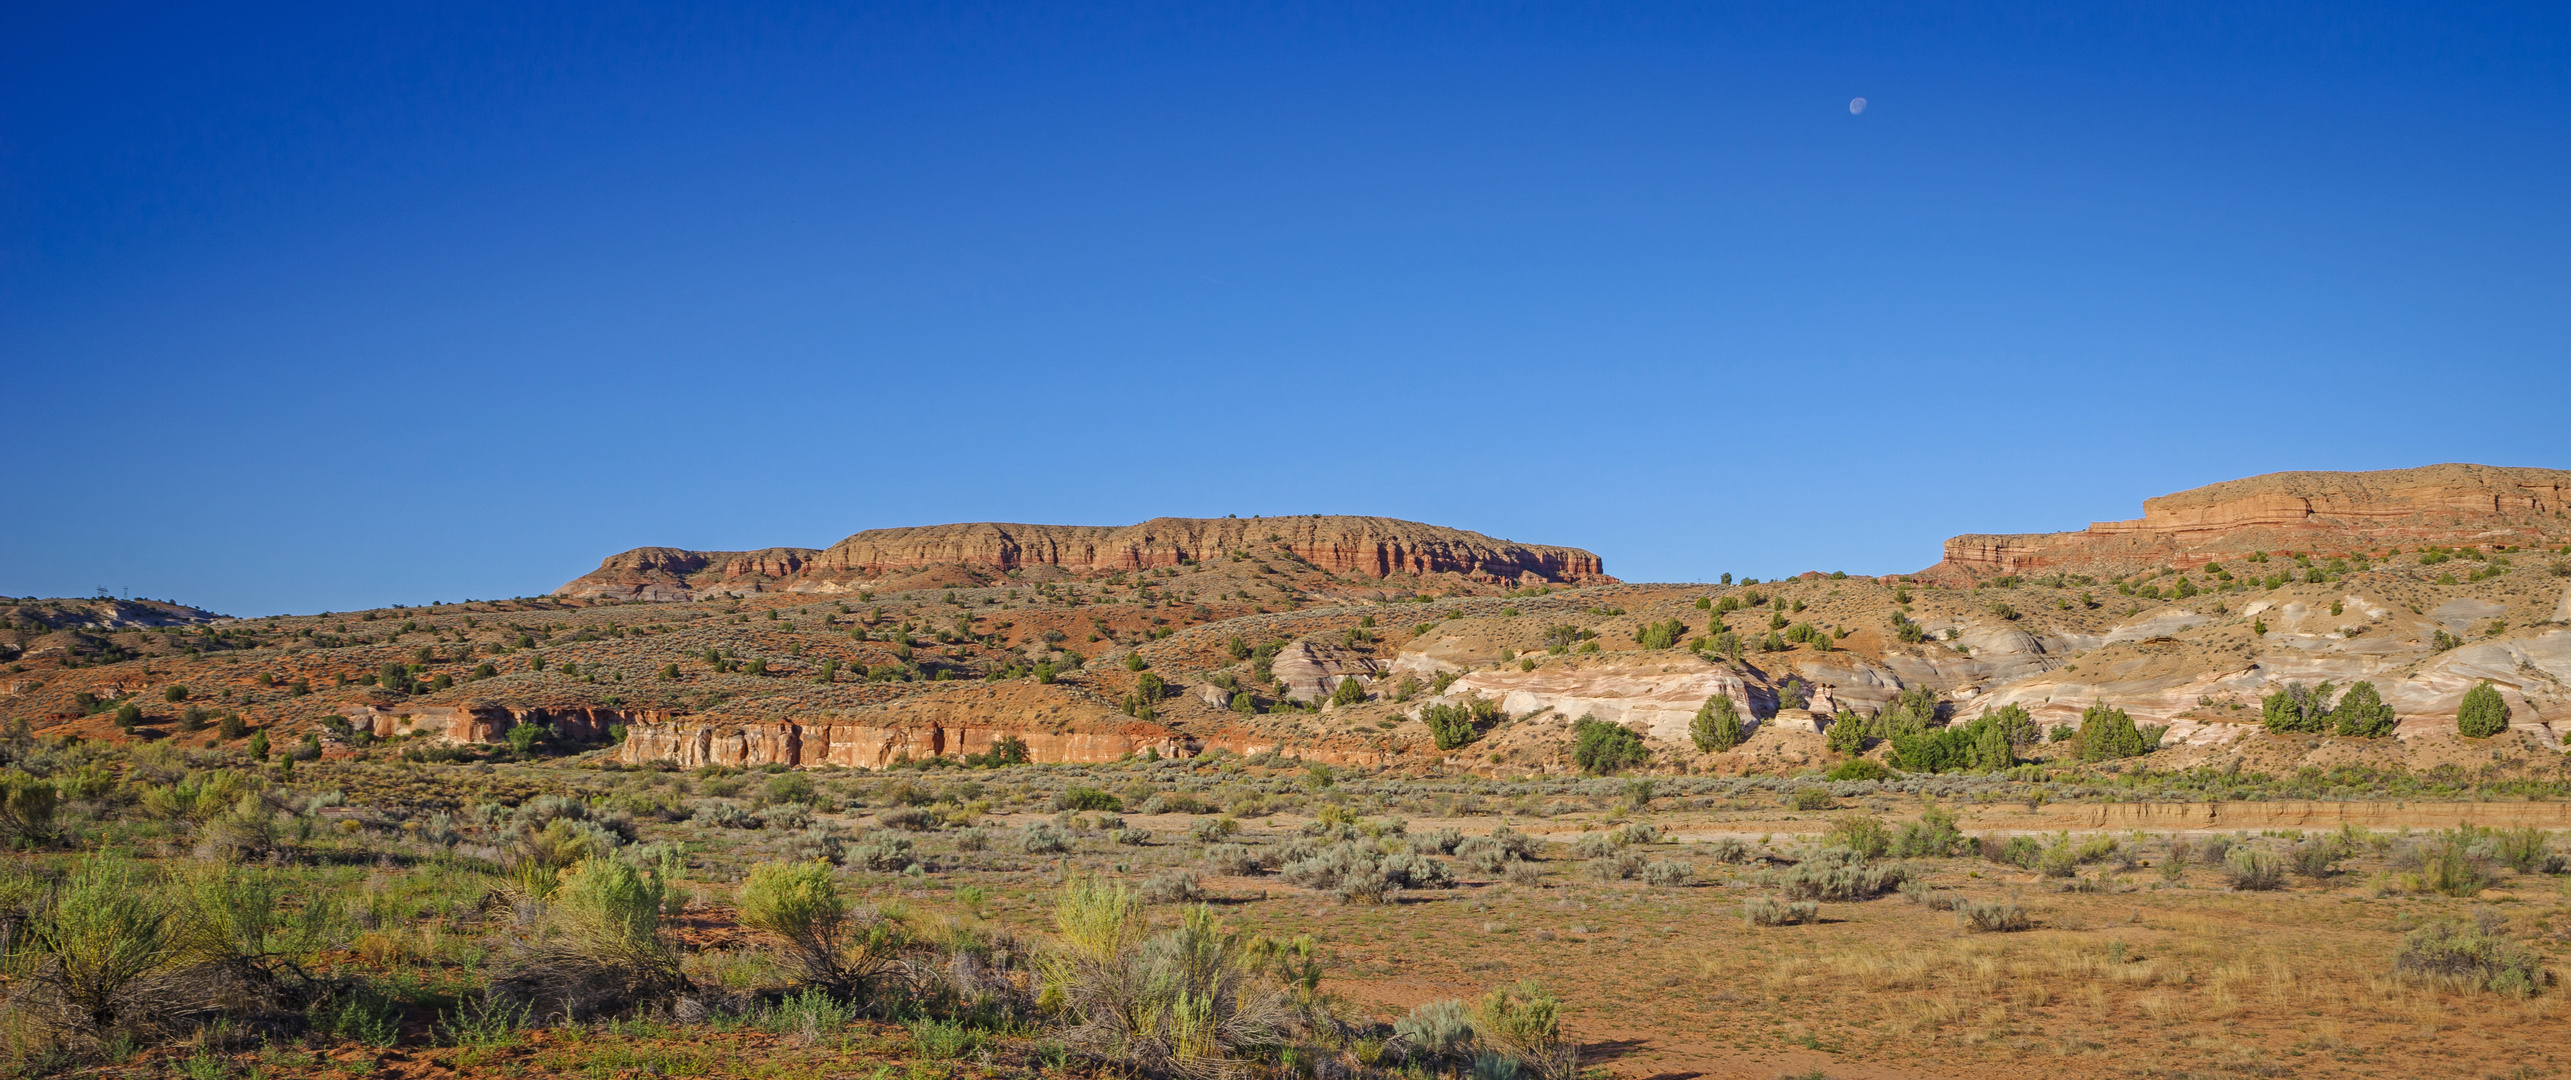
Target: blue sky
{"points": [[317, 307]]}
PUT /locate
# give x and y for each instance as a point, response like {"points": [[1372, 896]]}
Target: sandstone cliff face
{"points": [[1656, 695], [491, 723], [1364, 545], [2305, 511]]}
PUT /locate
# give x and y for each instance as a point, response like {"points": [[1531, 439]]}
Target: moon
{"points": [[1856, 106]]}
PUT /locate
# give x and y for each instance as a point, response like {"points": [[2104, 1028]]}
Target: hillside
{"points": [[1368, 546], [945, 641], [2326, 513]]}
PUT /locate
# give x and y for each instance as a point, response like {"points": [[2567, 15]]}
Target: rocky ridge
{"points": [[2331, 513], [1370, 546], [1242, 649]]}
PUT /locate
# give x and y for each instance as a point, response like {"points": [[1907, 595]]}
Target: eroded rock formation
{"points": [[491, 723], [2325, 512], [1341, 545]]}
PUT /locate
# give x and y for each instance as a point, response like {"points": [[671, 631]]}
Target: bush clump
{"points": [[1770, 911], [1717, 726], [1839, 875], [1492, 854], [1811, 798], [1043, 838], [599, 947], [1991, 916], [2107, 734], [2482, 714], [1193, 1000], [1601, 748], [1236, 860], [2252, 869], [2480, 957], [1172, 887], [1359, 874], [800, 902]]}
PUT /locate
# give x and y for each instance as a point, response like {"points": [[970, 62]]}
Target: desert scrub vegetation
{"points": [[223, 911], [2475, 956], [854, 917]]}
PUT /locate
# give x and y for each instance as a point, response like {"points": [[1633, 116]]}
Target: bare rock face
{"points": [[1309, 672], [2327, 512], [455, 724], [1363, 545], [1657, 695]]}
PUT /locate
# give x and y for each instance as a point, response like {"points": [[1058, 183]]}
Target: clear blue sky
{"points": [[348, 304]]}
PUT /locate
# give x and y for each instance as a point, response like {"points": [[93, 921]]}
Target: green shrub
{"points": [[793, 787], [1524, 1021], [1044, 839], [889, 853], [2448, 864], [1494, 853], [106, 935], [1839, 876], [1933, 835], [2481, 958], [2107, 734], [2317, 858], [1087, 799], [2253, 870], [2296, 708], [1348, 692], [2483, 714], [1437, 1031], [2015, 725], [1857, 768], [1669, 874], [1717, 726], [2526, 850], [1452, 725], [601, 949], [1192, 1000], [1660, 635], [1768, 911], [1846, 735], [1601, 748], [808, 1014], [1811, 798], [1619, 866], [360, 1016], [27, 807], [1991, 916], [2019, 851], [2361, 713], [1861, 835], [800, 903]]}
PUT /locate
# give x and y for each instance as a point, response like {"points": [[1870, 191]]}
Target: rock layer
{"points": [[2325, 512], [1373, 546]]}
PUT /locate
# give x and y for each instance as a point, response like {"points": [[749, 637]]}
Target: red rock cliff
{"points": [[1366, 545], [2327, 512]]}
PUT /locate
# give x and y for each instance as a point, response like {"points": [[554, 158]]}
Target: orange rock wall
{"points": [[1367, 545], [860, 746], [2307, 511]]}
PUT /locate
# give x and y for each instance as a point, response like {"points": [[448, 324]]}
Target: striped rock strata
{"points": [[1364, 545]]}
